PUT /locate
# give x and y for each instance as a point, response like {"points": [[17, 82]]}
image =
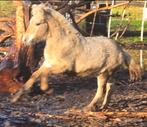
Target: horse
{"points": [[66, 50]]}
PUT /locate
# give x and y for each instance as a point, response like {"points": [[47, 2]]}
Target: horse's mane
{"points": [[64, 23]]}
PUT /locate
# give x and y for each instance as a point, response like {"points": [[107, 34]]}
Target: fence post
{"points": [[109, 22], [141, 37]]}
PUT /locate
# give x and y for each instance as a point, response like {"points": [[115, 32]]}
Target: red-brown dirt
{"points": [[7, 82]]}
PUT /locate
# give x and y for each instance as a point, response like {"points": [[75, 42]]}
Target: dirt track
{"points": [[61, 109]]}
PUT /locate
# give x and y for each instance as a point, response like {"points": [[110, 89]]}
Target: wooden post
{"points": [[94, 18], [20, 23], [142, 25]]}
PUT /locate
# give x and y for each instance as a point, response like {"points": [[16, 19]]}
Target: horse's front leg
{"points": [[28, 84], [44, 80]]}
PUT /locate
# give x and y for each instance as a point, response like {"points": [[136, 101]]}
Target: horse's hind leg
{"points": [[101, 82], [108, 88], [28, 84]]}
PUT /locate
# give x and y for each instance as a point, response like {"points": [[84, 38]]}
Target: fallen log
{"points": [[7, 19], [99, 115], [4, 27], [7, 30], [119, 114], [4, 49], [108, 114], [7, 24], [5, 36]]}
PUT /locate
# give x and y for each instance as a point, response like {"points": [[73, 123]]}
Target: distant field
{"points": [[134, 15], [7, 8], [133, 12], [135, 25]]}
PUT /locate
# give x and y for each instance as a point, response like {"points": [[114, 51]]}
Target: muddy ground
{"points": [[61, 109]]}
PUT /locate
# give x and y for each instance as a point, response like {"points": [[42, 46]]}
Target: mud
{"points": [[71, 94]]}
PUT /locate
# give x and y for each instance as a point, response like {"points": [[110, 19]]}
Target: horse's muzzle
{"points": [[26, 40]]}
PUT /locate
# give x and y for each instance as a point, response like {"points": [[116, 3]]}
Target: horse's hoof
{"points": [[103, 107], [89, 109], [44, 87], [14, 99], [16, 96]]}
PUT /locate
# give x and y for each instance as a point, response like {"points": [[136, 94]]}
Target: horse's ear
{"points": [[33, 9], [47, 4], [34, 5], [47, 7]]}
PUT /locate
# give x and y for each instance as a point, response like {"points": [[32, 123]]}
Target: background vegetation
{"points": [[7, 8], [134, 15]]}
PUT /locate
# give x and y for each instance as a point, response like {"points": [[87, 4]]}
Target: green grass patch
{"points": [[133, 14], [135, 25], [134, 39]]}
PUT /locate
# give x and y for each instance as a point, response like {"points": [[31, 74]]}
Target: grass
{"points": [[132, 12], [7, 8], [135, 25], [134, 15]]}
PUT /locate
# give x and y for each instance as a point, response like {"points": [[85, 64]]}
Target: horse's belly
{"points": [[58, 65], [88, 73], [88, 68]]}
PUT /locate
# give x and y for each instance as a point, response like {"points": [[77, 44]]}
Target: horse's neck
{"points": [[60, 30], [55, 29], [60, 21]]}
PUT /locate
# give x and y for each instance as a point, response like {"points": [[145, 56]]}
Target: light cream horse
{"points": [[67, 50]]}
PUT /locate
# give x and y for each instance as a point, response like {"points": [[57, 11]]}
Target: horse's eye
{"points": [[38, 24]]}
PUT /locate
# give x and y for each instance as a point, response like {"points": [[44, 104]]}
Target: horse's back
{"points": [[111, 49], [99, 54], [103, 42], [107, 45]]}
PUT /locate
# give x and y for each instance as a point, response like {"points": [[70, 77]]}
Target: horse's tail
{"points": [[135, 70]]}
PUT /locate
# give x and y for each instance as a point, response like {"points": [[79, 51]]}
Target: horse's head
{"points": [[38, 26]]}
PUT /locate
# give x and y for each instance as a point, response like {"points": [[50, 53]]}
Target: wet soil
{"points": [[71, 94]]}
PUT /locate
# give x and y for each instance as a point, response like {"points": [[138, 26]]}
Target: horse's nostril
{"points": [[24, 39]]}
